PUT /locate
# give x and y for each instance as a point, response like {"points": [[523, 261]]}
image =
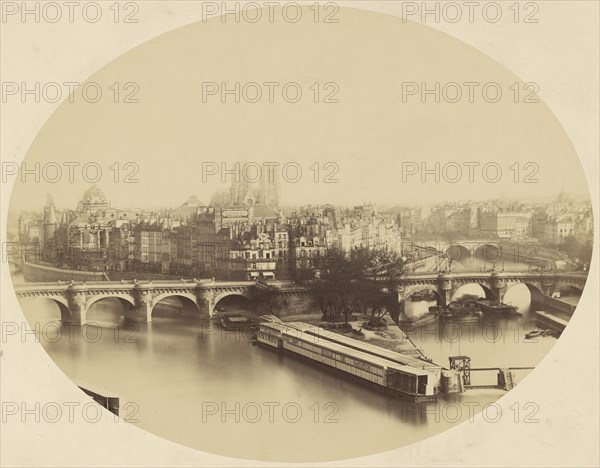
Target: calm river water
{"points": [[200, 386]]}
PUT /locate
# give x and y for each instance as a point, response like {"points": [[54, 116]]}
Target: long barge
{"points": [[414, 384], [368, 348]]}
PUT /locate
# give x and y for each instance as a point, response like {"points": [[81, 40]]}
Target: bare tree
{"points": [[360, 280]]}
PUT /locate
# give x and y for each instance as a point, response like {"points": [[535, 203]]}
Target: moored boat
{"points": [[397, 374], [533, 334], [464, 307], [423, 295], [438, 309], [496, 307], [457, 310], [238, 322], [537, 332], [442, 312], [429, 296]]}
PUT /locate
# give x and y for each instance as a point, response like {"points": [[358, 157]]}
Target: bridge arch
{"points": [[536, 294], [184, 298], [469, 287], [490, 252], [123, 297], [125, 300], [570, 288], [458, 253], [127, 303], [62, 303], [410, 291], [223, 297], [532, 287]]}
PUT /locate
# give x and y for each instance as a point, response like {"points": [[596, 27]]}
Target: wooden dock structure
{"points": [[462, 365]]}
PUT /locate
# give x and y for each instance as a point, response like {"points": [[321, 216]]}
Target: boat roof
{"points": [[352, 344], [360, 355], [279, 326], [366, 346]]}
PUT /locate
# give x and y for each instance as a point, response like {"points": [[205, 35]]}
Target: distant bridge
{"points": [[139, 298], [466, 251], [495, 284]]}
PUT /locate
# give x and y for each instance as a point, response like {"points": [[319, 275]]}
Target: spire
{"points": [[49, 211]]}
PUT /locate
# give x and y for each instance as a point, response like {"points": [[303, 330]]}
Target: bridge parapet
{"points": [[139, 298], [494, 283]]}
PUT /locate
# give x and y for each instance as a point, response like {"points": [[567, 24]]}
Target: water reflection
{"points": [[517, 295], [211, 389]]}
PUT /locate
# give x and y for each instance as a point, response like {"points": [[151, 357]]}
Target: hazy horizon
{"points": [[64, 202]]}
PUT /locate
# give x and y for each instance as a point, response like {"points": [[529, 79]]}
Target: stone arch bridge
{"points": [[139, 298], [467, 251], [495, 284]]}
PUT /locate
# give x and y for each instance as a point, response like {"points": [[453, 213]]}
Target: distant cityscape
{"points": [[244, 234]]}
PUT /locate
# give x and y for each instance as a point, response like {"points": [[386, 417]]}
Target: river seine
{"points": [[195, 384]]}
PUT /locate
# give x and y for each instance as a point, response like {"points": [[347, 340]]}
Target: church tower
{"points": [[269, 190], [50, 221]]}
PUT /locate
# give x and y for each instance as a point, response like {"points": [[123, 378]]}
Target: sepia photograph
{"points": [[283, 233]]}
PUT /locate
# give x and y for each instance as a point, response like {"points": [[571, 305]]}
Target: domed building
{"points": [[93, 201], [95, 236], [189, 208]]}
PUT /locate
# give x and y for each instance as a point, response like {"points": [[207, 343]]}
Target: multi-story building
{"points": [[458, 221], [538, 223], [250, 259], [306, 254], [363, 227], [495, 223], [450, 219], [148, 241], [558, 228], [121, 246], [409, 219]]}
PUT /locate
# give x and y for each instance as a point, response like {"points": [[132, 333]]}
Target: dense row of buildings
{"points": [[550, 223], [243, 234]]}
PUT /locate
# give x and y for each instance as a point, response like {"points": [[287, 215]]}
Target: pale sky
{"points": [[378, 131]]}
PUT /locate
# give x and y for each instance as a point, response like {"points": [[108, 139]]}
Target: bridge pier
{"points": [[77, 301], [208, 298], [548, 283], [142, 312], [498, 284], [445, 289], [499, 293], [77, 313]]}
